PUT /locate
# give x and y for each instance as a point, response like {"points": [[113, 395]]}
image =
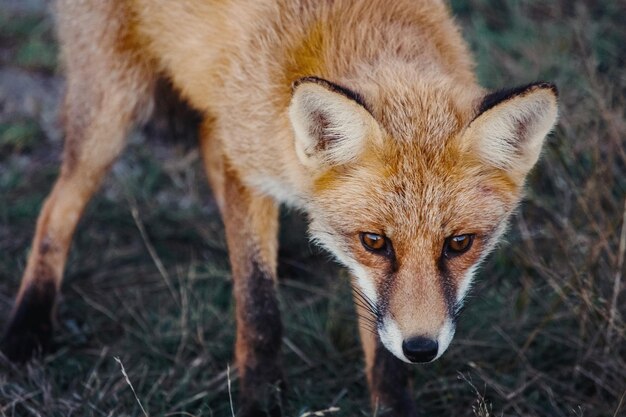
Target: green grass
{"points": [[28, 41], [18, 136], [535, 339]]}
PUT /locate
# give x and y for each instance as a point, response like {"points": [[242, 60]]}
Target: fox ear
{"points": [[511, 126], [331, 124]]}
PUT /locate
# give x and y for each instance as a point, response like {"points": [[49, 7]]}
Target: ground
{"points": [[148, 282]]}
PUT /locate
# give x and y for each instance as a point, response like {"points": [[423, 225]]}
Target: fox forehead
{"points": [[423, 111], [408, 192]]}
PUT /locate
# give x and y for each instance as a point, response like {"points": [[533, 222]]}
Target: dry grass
{"points": [[148, 280]]}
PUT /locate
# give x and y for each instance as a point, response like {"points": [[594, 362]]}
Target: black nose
{"points": [[420, 349]]}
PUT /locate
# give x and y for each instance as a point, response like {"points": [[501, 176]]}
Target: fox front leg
{"points": [[387, 376], [251, 223]]}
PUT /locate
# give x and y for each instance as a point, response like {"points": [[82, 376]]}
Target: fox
{"points": [[366, 116]]}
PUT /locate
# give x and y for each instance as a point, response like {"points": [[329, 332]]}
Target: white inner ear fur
{"points": [[330, 129], [509, 136]]}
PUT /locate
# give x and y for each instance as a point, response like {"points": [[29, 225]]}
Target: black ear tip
{"points": [[331, 86], [500, 96], [309, 79], [548, 85]]}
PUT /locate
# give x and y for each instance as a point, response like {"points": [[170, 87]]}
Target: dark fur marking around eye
{"points": [[448, 286], [346, 92], [497, 97]]}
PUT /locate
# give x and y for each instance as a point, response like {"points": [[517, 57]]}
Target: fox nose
{"points": [[420, 349]]}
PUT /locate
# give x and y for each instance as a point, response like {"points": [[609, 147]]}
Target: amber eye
{"points": [[374, 242], [457, 245]]}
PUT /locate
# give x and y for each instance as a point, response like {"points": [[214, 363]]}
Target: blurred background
{"points": [[543, 333]]}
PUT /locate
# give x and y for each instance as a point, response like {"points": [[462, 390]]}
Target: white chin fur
{"points": [[445, 337], [392, 338]]}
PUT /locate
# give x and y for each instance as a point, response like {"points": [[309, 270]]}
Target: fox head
{"points": [[411, 189]]}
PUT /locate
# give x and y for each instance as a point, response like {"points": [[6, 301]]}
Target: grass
{"points": [[544, 334], [17, 136], [27, 41]]}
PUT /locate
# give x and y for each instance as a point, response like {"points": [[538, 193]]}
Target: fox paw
{"points": [[260, 398], [257, 410], [29, 333], [20, 343], [30, 329]]}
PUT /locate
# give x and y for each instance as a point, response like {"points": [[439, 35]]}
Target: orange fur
{"points": [[366, 115]]}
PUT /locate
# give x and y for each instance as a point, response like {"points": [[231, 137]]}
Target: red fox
{"points": [[365, 115]]}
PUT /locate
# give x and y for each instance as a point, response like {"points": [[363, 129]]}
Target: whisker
{"points": [[371, 314], [367, 320], [458, 309], [365, 300], [360, 294], [368, 326]]}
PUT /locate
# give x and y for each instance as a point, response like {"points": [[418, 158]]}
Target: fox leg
{"points": [[251, 232], [387, 376], [251, 223], [102, 100]]}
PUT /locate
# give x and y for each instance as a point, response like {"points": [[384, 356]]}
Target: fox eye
{"points": [[374, 243], [457, 245]]}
